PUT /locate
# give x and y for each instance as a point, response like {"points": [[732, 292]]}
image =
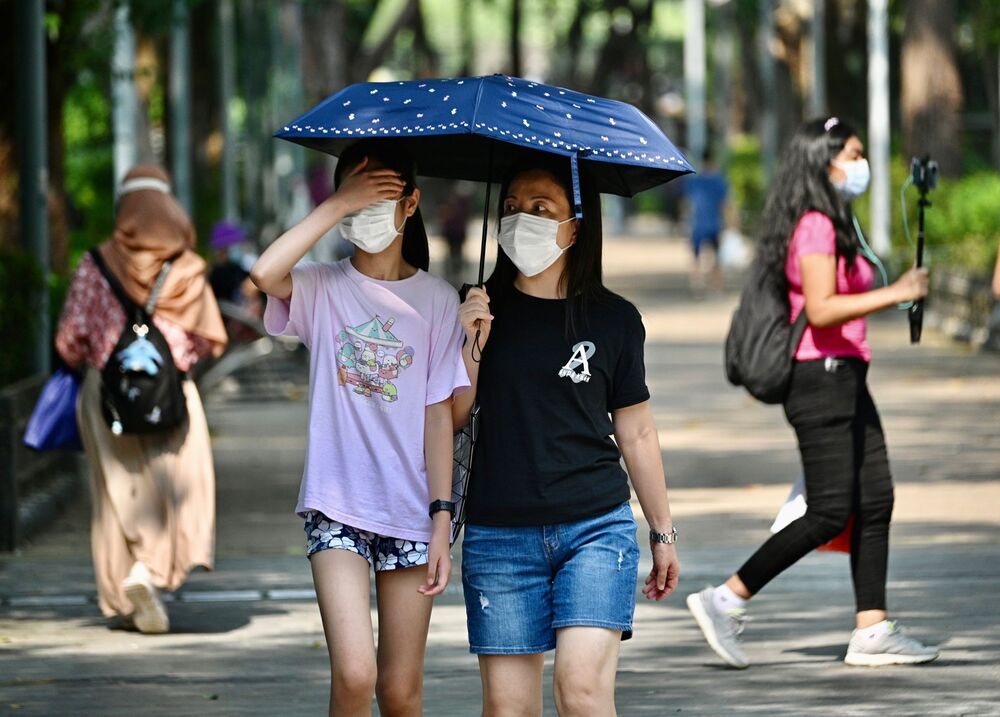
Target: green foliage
{"points": [[20, 282], [963, 225], [648, 202], [746, 180], [89, 162]]}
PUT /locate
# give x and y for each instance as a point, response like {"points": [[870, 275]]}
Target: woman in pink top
{"points": [[385, 349], [811, 249]]}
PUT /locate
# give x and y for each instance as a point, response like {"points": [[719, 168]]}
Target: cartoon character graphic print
{"points": [[370, 357]]}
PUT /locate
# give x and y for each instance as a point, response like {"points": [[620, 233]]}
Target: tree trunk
{"points": [[931, 99], [406, 18], [57, 75], [325, 59], [8, 129], [515, 38], [206, 140], [468, 39], [574, 43], [846, 51]]}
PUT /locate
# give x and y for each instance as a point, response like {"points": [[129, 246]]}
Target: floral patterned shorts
{"points": [[382, 551]]}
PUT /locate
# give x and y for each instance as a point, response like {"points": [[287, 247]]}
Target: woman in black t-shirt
{"points": [[550, 556]]}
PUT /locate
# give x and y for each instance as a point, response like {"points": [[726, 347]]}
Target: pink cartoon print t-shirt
{"points": [[380, 352], [815, 234]]}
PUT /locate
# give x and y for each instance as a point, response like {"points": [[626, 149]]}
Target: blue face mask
{"points": [[855, 183], [235, 254]]}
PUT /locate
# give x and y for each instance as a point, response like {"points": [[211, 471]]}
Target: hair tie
{"points": [[134, 185], [831, 123]]}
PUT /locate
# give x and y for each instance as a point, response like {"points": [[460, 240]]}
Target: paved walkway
{"points": [[246, 639]]}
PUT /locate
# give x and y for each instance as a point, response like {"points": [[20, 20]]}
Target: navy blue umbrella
{"points": [[452, 126]]}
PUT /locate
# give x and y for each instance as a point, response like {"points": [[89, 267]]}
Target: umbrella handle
{"points": [[476, 348]]}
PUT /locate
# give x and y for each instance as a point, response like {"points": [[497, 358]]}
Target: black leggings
{"points": [[846, 473]]}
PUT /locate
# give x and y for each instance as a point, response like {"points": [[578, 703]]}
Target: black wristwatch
{"points": [[439, 505]]}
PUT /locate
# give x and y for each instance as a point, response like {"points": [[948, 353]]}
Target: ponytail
{"points": [[415, 250]]}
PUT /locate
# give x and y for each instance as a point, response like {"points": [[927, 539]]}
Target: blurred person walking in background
{"points": [[153, 493], [705, 194], [454, 218], [229, 276], [811, 250], [230, 272]]}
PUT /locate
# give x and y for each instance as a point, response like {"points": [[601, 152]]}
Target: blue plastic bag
{"points": [[52, 425]]}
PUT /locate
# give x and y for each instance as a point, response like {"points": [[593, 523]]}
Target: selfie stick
{"points": [[917, 309]]}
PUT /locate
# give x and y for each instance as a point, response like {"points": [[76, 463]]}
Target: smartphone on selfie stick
{"points": [[924, 174]]}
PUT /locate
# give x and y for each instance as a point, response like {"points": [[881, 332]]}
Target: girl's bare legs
{"points": [[344, 592], [403, 618]]}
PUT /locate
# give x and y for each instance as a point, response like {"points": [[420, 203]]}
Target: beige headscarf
{"points": [[151, 227]]}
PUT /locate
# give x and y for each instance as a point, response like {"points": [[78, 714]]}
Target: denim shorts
{"points": [[522, 584], [381, 551]]}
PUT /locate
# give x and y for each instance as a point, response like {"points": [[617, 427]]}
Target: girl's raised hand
{"points": [[475, 315], [361, 188]]}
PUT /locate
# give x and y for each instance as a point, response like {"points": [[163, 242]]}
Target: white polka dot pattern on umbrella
{"points": [[507, 109]]}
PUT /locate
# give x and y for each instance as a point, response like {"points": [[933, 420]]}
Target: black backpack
{"points": [[141, 388], [761, 343]]}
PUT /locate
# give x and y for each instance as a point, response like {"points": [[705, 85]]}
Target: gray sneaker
{"points": [[721, 630], [891, 648]]}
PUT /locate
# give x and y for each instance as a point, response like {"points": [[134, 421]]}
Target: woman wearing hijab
{"points": [[153, 494]]}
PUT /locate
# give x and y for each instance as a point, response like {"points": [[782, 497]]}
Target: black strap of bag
{"points": [[124, 299], [798, 331]]}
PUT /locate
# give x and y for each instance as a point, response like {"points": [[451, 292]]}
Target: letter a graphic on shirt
{"points": [[579, 360]]}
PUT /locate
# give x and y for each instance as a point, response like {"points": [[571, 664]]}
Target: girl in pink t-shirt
{"points": [[809, 246], [385, 360]]}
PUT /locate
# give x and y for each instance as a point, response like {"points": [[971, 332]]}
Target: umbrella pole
{"points": [[486, 218], [482, 247]]}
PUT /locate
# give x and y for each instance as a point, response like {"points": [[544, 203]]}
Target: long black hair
{"points": [[582, 275], [802, 184], [392, 155]]}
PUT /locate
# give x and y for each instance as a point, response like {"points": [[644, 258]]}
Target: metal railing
{"points": [[962, 306], [35, 486]]}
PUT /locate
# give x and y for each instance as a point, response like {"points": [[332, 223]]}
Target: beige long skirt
{"points": [[153, 498]]}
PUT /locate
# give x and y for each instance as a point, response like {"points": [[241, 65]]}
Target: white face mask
{"points": [[373, 228], [855, 183], [530, 241]]}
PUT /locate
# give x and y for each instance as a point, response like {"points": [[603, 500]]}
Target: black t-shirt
{"points": [[226, 280], [544, 453]]}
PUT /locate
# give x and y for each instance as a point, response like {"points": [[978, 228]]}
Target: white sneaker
{"points": [[872, 649], [150, 616], [723, 631]]}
